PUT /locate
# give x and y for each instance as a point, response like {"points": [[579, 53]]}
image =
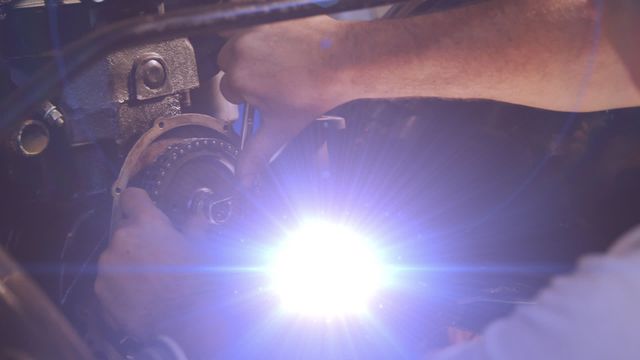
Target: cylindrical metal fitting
{"points": [[30, 138]]}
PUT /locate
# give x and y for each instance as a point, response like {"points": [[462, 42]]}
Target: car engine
{"points": [[515, 191]]}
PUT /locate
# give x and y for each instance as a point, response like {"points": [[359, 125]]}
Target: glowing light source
{"points": [[326, 270]]}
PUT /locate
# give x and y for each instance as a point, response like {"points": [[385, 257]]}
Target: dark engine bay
{"points": [[497, 198]]}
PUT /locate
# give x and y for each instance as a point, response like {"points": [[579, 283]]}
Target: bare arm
{"points": [[556, 54], [547, 54]]}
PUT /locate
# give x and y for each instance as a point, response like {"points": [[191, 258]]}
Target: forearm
{"points": [[543, 53]]}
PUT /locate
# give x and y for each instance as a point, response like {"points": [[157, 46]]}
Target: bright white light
{"points": [[326, 270]]}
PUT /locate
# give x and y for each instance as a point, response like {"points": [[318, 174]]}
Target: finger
{"points": [[270, 138], [136, 205], [229, 91]]}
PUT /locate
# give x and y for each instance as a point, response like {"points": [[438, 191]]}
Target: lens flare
{"points": [[326, 270]]}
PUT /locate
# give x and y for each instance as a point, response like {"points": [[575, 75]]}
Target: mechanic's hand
{"points": [[293, 72], [145, 276]]}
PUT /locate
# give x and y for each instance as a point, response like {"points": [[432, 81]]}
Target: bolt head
{"points": [[154, 74]]}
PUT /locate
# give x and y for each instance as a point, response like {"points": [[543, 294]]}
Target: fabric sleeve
{"points": [[593, 313]]}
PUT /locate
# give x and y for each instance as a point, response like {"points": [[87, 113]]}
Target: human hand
{"points": [[147, 277], [293, 72]]}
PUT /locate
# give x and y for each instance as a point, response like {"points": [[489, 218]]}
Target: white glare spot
{"points": [[326, 270]]}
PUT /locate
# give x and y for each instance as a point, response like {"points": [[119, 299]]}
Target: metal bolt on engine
{"points": [[153, 73]]}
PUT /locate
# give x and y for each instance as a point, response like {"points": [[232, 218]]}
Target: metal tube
{"points": [[247, 124], [209, 18]]}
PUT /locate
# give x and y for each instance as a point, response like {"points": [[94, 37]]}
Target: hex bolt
{"points": [[153, 74], [51, 114], [204, 202]]}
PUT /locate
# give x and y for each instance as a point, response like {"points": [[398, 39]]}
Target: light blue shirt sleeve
{"points": [[593, 313]]}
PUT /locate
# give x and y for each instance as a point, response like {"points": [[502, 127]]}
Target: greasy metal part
{"points": [[247, 124], [137, 158], [204, 202], [150, 75], [210, 18], [112, 99], [168, 162], [40, 3], [160, 127], [51, 114], [30, 138], [185, 99], [31, 323], [177, 57], [193, 178], [154, 73]]}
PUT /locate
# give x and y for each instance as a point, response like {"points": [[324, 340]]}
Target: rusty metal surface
{"points": [[179, 58], [101, 104], [193, 179], [144, 153]]}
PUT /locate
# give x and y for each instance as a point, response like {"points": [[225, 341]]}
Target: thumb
{"points": [[275, 132]]}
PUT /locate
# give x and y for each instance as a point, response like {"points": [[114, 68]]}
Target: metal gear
{"points": [[194, 177]]}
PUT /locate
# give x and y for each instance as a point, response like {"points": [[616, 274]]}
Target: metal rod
{"points": [[247, 124], [187, 22]]}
